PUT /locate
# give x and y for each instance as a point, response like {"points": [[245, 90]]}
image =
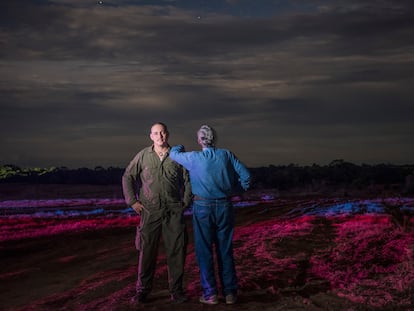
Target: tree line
{"points": [[283, 177]]}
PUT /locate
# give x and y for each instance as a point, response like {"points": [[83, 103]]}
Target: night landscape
{"points": [[314, 97]]}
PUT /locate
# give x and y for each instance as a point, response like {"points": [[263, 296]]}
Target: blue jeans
{"points": [[213, 223]]}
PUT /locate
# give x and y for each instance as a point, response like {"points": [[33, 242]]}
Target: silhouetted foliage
{"points": [[337, 173], [61, 175], [283, 177]]}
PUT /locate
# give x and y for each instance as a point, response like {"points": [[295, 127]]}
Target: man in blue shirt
{"points": [[215, 175]]}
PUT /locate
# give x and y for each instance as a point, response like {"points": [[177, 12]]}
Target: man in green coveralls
{"points": [[158, 189]]}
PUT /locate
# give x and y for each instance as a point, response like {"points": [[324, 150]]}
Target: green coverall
{"points": [[164, 189]]}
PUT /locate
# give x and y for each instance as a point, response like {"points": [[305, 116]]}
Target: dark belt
{"points": [[197, 198]]}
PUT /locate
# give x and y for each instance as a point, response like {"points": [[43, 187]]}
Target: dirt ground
{"points": [[285, 258]]}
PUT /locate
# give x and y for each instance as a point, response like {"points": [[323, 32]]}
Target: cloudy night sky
{"points": [[282, 81]]}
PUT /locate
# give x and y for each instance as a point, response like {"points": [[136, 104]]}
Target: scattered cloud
{"points": [[279, 73]]}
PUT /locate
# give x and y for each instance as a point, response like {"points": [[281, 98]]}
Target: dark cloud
{"points": [[283, 81]]}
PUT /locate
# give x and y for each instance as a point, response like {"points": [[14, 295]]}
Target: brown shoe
{"points": [[139, 298], [179, 297]]}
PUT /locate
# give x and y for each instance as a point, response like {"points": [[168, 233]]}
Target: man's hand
{"points": [[138, 207], [178, 148]]}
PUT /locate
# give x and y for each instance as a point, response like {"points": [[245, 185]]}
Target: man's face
{"points": [[158, 135]]}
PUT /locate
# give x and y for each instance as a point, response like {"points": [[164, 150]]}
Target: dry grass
{"points": [[286, 260]]}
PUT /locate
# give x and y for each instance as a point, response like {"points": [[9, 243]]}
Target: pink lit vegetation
{"points": [[318, 260], [28, 227]]}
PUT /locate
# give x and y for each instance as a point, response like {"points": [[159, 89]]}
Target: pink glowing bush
{"points": [[370, 256], [28, 227]]}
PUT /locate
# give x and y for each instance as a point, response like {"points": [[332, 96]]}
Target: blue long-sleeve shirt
{"points": [[214, 173]]}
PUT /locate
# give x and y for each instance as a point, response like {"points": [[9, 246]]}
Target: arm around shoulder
{"points": [[176, 151]]}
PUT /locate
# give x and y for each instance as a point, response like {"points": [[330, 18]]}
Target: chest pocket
{"points": [[149, 173], [172, 171]]}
